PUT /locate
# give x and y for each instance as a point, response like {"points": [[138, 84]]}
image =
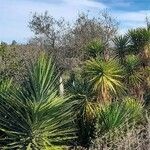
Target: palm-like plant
{"points": [[118, 115], [81, 91], [140, 43], [34, 116], [139, 38], [106, 77], [134, 106], [94, 48], [121, 45], [5, 84], [85, 108], [111, 117], [134, 75]]}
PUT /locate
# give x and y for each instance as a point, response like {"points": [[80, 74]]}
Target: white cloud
{"points": [[67, 8], [138, 16], [129, 20], [87, 3], [16, 14]]}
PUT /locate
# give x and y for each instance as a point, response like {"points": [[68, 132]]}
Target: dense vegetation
{"points": [[76, 87]]}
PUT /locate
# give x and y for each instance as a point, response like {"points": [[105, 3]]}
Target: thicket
{"points": [[79, 86]]}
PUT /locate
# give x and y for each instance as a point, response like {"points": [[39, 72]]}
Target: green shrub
{"points": [[33, 115], [135, 107], [117, 115]]}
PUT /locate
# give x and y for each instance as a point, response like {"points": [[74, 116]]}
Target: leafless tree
{"points": [[67, 42]]}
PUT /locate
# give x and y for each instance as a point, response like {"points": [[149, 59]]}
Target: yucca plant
{"points": [[132, 67], [134, 76], [33, 115], [106, 78], [5, 84], [94, 48], [116, 122], [85, 108], [140, 44], [111, 117], [117, 115], [121, 46], [134, 106], [139, 38], [81, 91]]}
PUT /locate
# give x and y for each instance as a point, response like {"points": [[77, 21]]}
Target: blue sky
{"points": [[15, 14]]}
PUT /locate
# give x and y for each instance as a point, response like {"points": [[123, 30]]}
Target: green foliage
{"points": [[106, 76], [10, 63], [5, 84], [94, 48], [133, 74], [33, 115], [53, 148], [111, 117], [86, 122], [81, 91], [102, 99], [139, 38], [132, 62], [79, 87], [117, 115], [14, 58], [121, 46], [135, 107]]}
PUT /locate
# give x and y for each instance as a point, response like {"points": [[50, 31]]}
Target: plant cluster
{"points": [[105, 100]]}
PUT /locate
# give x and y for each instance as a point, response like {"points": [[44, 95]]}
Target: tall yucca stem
{"points": [[61, 86]]}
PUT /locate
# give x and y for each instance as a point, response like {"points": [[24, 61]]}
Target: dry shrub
{"points": [[137, 138]]}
